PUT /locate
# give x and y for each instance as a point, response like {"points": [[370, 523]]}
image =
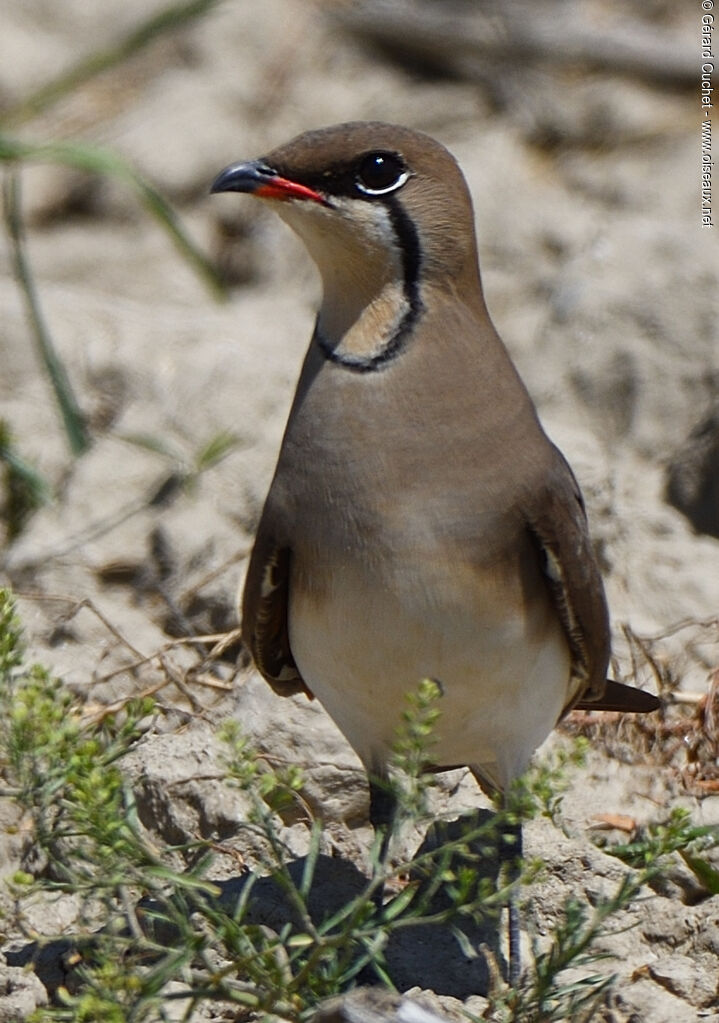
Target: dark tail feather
{"points": [[625, 699]]}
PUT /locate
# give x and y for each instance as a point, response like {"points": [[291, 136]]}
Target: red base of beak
{"points": [[282, 188]]}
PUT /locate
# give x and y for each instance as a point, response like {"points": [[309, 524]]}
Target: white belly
{"points": [[361, 647]]}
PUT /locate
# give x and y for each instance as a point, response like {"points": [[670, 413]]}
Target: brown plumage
{"points": [[419, 523]]}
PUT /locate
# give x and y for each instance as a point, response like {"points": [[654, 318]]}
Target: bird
{"points": [[420, 523]]}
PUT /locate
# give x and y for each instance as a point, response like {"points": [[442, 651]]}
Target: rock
{"points": [[686, 978], [692, 483], [373, 1005], [21, 992]]}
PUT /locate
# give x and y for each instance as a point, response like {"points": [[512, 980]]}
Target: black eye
{"points": [[378, 173]]}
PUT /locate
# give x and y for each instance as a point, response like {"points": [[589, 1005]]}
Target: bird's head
{"points": [[375, 204]]}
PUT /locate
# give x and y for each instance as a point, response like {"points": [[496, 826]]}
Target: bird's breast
{"points": [[399, 496], [366, 638]]}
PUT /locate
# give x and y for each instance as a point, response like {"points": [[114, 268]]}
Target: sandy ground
{"points": [[600, 279]]}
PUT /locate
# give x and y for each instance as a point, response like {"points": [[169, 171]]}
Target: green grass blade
{"points": [[72, 417], [217, 448], [171, 18], [163, 213], [26, 490], [96, 160], [703, 871], [310, 864]]}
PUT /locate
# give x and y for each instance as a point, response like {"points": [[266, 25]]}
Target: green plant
{"points": [[154, 928], [540, 791], [24, 488], [72, 417], [173, 17], [16, 152], [166, 923], [674, 835], [186, 470]]}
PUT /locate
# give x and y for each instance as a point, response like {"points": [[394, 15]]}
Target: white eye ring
{"points": [[380, 172], [388, 188]]}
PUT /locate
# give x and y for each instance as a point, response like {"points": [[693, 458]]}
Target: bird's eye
{"points": [[379, 173]]}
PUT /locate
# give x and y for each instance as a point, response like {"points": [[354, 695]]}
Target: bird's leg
{"points": [[511, 854], [382, 809]]}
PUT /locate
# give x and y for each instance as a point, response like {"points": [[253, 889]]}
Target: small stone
{"points": [[685, 978]]}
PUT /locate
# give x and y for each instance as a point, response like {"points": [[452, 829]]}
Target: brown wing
{"points": [[625, 699], [558, 523], [264, 615]]}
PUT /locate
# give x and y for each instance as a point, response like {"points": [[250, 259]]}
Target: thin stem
{"points": [[169, 19], [72, 416], [96, 160]]}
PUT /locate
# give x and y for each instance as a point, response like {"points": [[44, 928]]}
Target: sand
{"points": [[602, 282]]}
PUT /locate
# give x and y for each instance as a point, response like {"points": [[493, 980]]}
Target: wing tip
{"points": [[623, 699]]}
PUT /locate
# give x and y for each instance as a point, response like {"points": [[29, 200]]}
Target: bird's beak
{"points": [[256, 178]]}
